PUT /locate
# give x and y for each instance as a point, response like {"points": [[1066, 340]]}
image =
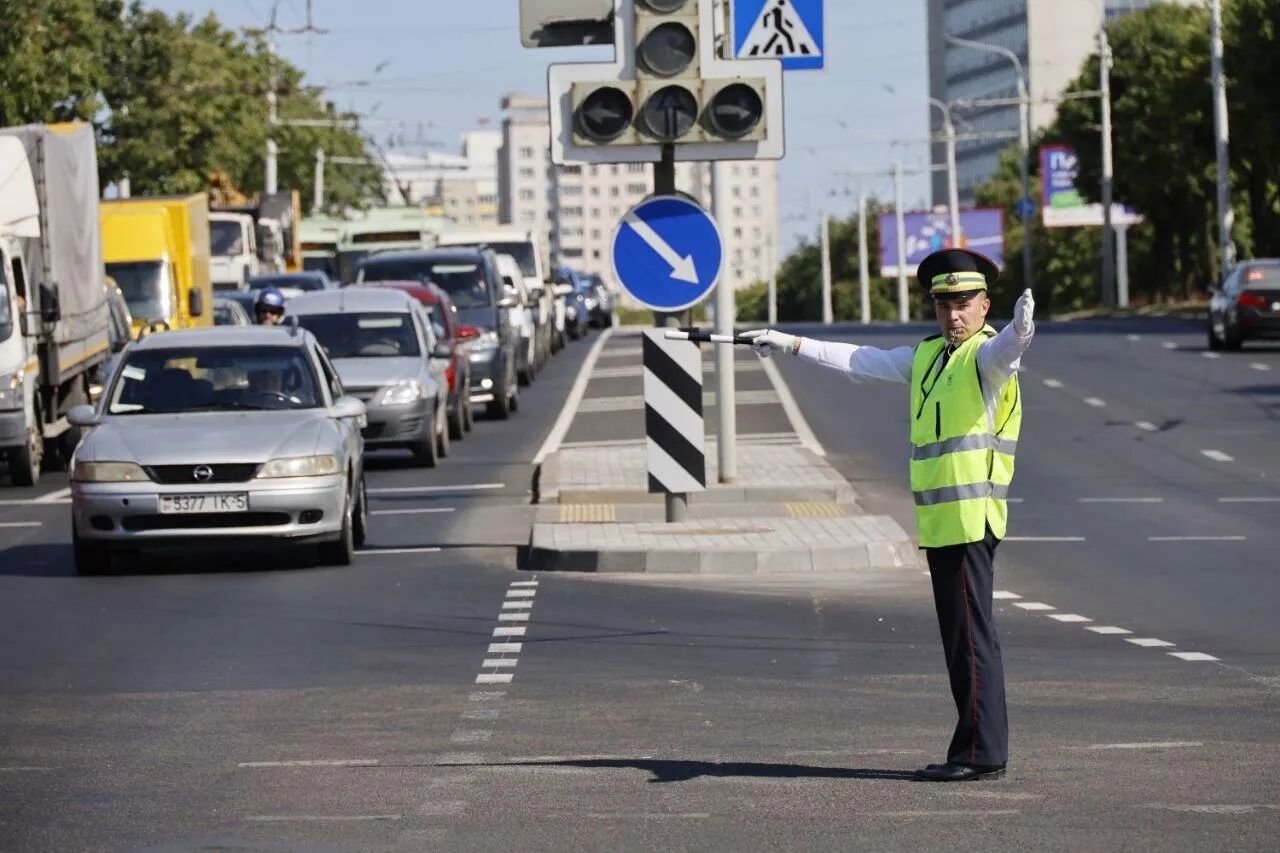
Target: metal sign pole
{"points": [[664, 183]]}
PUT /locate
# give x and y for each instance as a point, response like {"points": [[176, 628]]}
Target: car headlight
{"points": [[402, 393], [300, 466], [109, 472]]}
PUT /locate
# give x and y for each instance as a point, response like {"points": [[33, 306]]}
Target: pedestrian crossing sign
{"points": [[789, 30]]}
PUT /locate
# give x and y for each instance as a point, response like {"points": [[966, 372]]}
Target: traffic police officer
{"points": [[966, 413]]}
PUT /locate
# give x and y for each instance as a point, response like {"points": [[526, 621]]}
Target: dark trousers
{"points": [[963, 581]]}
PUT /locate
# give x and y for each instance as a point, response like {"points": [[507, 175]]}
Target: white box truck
{"points": [[54, 316]]}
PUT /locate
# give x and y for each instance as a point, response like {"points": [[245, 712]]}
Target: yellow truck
{"points": [[157, 250]]}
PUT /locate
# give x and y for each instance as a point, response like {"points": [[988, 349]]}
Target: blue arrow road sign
{"points": [[667, 253], [790, 30]]}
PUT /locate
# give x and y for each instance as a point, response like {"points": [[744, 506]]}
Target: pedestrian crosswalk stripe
{"points": [[779, 32]]}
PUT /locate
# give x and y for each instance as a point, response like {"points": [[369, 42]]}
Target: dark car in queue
{"points": [[229, 312], [577, 313], [1247, 305], [444, 319], [293, 283], [384, 349], [471, 278]]}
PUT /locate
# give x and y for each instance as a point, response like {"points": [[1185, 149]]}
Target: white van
{"points": [[529, 356]]}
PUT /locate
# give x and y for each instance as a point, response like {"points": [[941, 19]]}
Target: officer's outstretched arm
{"points": [[859, 363]]}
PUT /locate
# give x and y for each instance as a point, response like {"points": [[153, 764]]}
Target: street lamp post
{"points": [[1024, 142], [953, 188], [1226, 216], [1108, 227]]}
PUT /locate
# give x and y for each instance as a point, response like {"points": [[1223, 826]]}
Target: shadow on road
{"points": [[665, 770]]}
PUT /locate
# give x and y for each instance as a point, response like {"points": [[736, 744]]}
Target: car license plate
{"points": [[190, 504]]}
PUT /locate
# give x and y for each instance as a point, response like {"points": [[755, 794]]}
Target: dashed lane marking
{"points": [[510, 631], [1069, 617], [321, 818], [411, 490], [319, 762], [513, 617], [1248, 500], [1121, 500], [1207, 354], [8, 524], [494, 678], [503, 648], [517, 605], [54, 497], [1167, 744], [521, 593], [1218, 456], [1034, 605], [1169, 345], [378, 552], [1146, 426], [1148, 642], [1052, 383], [1195, 539], [1107, 629], [1257, 365], [1004, 594], [1095, 402], [1192, 656], [1044, 539], [421, 511]]}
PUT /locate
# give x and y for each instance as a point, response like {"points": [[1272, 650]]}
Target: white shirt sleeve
{"points": [[860, 363], [999, 358]]}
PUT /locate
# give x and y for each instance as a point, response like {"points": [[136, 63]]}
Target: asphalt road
{"points": [[274, 706]]}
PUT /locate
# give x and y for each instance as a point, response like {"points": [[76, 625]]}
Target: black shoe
{"points": [[950, 772]]}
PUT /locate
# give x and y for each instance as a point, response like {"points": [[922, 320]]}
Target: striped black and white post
{"points": [[673, 424]]}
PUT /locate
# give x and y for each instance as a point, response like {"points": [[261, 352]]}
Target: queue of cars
{"points": [[244, 434]]}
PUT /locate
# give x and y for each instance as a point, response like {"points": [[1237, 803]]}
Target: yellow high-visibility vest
{"points": [[961, 456]]}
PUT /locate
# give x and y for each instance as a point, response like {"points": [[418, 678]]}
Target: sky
{"points": [[447, 64]]}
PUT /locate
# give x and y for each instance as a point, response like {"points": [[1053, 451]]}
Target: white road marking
{"points": [[504, 648], [1149, 642], [320, 818], [30, 502], [320, 762], [510, 631], [524, 583], [1121, 500], [513, 617], [54, 497], [561, 427], [494, 678], [517, 605], [1257, 365], [1069, 617], [1107, 629], [966, 813], [410, 490], [521, 593], [1248, 500], [1169, 345], [1005, 594], [423, 511], [5, 524], [1195, 538], [1192, 656], [1135, 337], [480, 714], [22, 769], [1052, 383], [1033, 605], [794, 415], [1218, 456], [1095, 402], [498, 663], [377, 552], [1210, 355], [1146, 426], [1157, 744], [1044, 539]]}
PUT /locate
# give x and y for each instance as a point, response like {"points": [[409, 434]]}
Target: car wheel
{"points": [[1215, 342], [499, 408], [25, 462], [89, 559], [1231, 337], [468, 412], [360, 519], [458, 420], [515, 397], [442, 432], [424, 450], [341, 551]]}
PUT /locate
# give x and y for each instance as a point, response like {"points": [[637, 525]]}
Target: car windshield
{"points": [[145, 285], [367, 335], [225, 238], [297, 282], [522, 252], [209, 379], [464, 281], [7, 320]]}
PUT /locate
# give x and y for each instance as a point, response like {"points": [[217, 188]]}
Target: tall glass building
{"points": [[1050, 37]]}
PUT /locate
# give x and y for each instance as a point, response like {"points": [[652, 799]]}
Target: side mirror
{"points": [[508, 302], [82, 415], [441, 351], [347, 407], [195, 302], [51, 304]]}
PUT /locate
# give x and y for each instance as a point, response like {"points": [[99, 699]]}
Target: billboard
{"points": [[928, 231], [1061, 203]]}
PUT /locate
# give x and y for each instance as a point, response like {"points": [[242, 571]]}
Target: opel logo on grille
{"points": [[203, 473]]}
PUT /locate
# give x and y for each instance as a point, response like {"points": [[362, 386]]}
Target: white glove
{"points": [[1022, 313], [767, 341]]}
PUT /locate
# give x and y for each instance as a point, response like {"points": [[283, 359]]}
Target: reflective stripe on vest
{"points": [[962, 454]]}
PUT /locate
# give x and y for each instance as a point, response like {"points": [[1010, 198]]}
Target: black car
{"points": [[577, 310], [1247, 306], [471, 278]]}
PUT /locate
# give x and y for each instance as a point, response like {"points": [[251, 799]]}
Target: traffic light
{"points": [[666, 86]]}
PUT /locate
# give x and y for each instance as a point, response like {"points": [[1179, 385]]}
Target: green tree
{"points": [[1252, 45], [51, 53]]}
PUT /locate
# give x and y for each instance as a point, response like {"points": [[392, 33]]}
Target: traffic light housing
{"points": [[666, 86]]}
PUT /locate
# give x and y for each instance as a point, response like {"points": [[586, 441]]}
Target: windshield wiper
{"points": [[228, 405]]}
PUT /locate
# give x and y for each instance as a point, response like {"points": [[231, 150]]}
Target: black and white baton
{"points": [[706, 337]]}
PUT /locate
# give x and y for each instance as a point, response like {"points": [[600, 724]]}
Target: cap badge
{"points": [[953, 279]]}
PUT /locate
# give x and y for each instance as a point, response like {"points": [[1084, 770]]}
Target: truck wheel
{"points": [[25, 461], [89, 559]]}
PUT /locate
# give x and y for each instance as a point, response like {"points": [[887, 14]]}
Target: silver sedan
{"points": [[225, 435]]}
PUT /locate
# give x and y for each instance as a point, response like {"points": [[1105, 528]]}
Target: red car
{"points": [[451, 335]]}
